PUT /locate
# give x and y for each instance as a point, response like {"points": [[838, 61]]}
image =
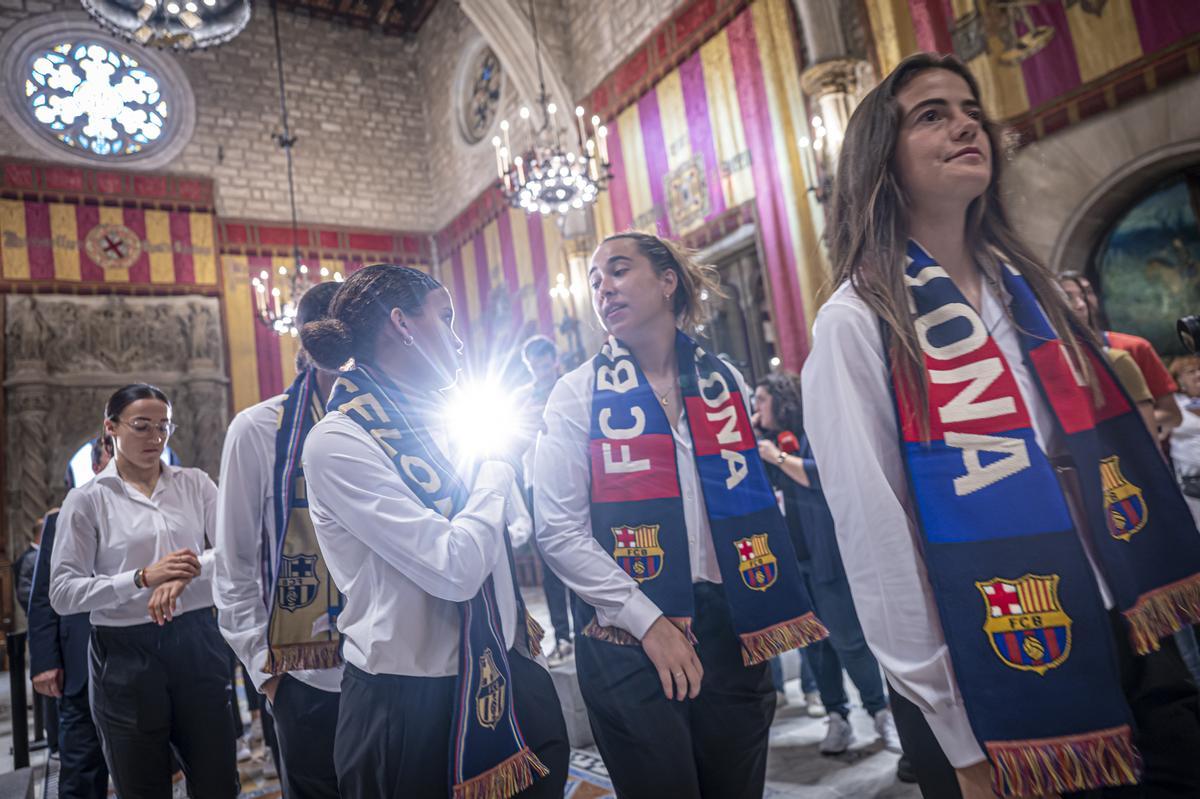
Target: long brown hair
{"points": [[869, 226], [695, 279]]}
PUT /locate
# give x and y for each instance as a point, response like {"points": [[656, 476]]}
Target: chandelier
{"points": [[182, 24], [555, 175], [276, 306]]}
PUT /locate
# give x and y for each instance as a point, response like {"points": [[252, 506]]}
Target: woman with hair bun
{"points": [[655, 510], [131, 548], [441, 694]]}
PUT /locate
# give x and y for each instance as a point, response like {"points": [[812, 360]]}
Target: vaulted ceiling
{"points": [[400, 17]]}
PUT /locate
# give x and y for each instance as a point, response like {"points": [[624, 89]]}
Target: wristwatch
{"points": [[781, 457], [139, 578]]}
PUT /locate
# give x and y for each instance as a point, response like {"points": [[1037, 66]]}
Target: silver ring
{"points": [[678, 674]]}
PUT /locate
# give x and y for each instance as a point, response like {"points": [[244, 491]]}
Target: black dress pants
{"points": [[163, 691], [713, 746], [305, 722], [1166, 717], [393, 734], [82, 772]]}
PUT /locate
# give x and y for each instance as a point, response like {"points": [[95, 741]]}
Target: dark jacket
{"points": [[56, 642], [808, 518], [23, 573]]}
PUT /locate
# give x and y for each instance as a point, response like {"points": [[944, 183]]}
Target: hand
{"points": [[271, 686], [180, 564], [674, 658], [164, 599], [768, 451], [49, 682], [976, 783]]}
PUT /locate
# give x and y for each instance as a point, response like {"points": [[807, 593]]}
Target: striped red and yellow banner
{"points": [[93, 244], [720, 130]]}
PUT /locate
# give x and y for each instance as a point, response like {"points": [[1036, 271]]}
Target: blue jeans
{"points": [[845, 648], [808, 679]]}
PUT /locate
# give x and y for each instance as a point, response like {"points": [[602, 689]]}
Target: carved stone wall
{"points": [[65, 355]]}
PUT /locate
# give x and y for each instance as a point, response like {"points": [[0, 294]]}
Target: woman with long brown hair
{"points": [[1015, 546]]}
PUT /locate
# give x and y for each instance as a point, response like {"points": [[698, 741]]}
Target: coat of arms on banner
{"points": [[489, 699], [687, 193], [1025, 624], [1123, 502], [112, 246], [298, 581], [636, 550], [758, 566]]}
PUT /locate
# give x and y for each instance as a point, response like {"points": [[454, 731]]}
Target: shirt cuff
{"points": [[124, 585], [953, 732], [255, 669], [637, 615]]}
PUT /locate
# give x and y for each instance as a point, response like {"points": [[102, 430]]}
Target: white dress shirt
{"points": [[850, 420], [245, 520], [107, 530], [403, 567], [562, 502]]}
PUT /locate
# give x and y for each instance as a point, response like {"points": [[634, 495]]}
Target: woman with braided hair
{"points": [[441, 695]]}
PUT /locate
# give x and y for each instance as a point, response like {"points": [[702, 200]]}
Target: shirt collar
{"points": [[110, 475]]}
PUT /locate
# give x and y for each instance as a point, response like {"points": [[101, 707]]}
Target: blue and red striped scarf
{"points": [[489, 758], [1022, 615], [637, 512], [302, 600]]}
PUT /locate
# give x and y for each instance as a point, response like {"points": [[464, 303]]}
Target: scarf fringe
{"points": [[1060, 765], [303, 657], [534, 633], [505, 779], [1162, 612], [615, 635], [762, 645]]}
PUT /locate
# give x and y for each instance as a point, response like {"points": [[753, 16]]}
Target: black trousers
{"points": [[305, 721], [82, 772], [713, 746], [393, 733], [1166, 715], [163, 691]]}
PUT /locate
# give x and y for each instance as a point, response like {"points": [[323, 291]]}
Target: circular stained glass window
{"points": [[96, 98], [77, 93], [480, 85]]}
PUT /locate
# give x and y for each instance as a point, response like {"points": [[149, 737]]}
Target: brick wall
{"points": [[354, 102], [601, 40]]}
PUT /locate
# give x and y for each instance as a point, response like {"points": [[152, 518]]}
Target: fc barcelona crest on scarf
{"points": [[637, 551], [489, 699], [758, 566], [298, 581], [1026, 626], [1123, 501]]}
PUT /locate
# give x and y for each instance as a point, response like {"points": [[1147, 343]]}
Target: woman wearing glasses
{"points": [[131, 551]]}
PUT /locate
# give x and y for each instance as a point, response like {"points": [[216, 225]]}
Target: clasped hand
{"points": [[168, 577]]}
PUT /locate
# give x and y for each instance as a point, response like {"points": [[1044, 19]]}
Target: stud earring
{"points": [[407, 340]]}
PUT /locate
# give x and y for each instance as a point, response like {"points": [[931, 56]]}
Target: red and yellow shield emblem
{"points": [[490, 698], [1026, 625], [636, 550], [757, 565], [1124, 506]]}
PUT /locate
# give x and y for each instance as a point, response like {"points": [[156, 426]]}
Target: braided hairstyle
{"points": [[360, 310]]}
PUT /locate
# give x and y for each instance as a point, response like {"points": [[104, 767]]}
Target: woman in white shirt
{"points": [[653, 507], [440, 690], [132, 550], [980, 579], [276, 602]]}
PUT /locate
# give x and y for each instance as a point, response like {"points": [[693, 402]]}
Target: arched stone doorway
{"points": [[64, 355]]}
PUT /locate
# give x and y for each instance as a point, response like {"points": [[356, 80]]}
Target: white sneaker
{"points": [[256, 734], [813, 705], [838, 736], [781, 699], [244, 752], [561, 652], [885, 725], [269, 771]]}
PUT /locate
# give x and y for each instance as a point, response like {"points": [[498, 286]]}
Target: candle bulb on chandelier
{"points": [[275, 300], [499, 162], [579, 124], [520, 162], [593, 167], [532, 132], [602, 133], [507, 146]]}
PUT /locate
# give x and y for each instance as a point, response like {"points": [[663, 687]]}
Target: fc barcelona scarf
{"points": [[303, 601], [489, 758], [1022, 615], [637, 512]]}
